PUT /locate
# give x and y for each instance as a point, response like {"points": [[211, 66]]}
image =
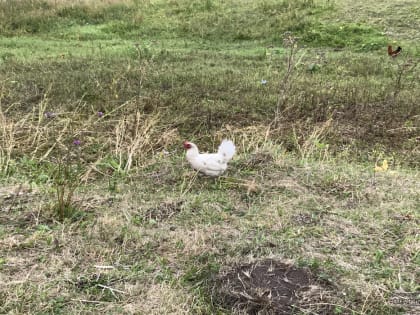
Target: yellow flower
{"points": [[383, 167]]}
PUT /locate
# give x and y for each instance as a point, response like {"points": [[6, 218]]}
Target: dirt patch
{"points": [[12, 196], [259, 160], [16, 205], [164, 211], [268, 287], [308, 219]]}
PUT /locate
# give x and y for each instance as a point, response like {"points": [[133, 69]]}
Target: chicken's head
{"points": [[187, 145]]}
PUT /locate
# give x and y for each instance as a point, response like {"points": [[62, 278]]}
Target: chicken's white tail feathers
{"points": [[227, 149]]}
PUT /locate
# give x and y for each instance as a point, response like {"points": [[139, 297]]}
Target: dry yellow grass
{"points": [[148, 235]]}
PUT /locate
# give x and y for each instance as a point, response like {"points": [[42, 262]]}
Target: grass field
{"points": [[318, 212]]}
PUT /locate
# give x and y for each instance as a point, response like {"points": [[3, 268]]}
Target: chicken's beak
{"points": [[185, 144]]}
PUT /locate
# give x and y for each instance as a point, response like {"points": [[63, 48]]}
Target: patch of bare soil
{"points": [[14, 204], [269, 287], [164, 211], [308, 219], [259, 159]]}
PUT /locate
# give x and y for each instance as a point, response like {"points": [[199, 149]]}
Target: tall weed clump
{"points": [[66, 178], [7, 143]]}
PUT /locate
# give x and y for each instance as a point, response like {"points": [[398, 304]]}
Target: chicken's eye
{"points": [[187, 145]]}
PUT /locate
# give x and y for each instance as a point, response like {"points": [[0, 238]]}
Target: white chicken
{"points": [[211, 164]]}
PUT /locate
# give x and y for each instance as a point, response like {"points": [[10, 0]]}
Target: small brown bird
{"points": [[394, 53]]}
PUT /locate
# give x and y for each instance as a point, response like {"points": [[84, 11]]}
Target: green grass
{"points": [[143, 232]]}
